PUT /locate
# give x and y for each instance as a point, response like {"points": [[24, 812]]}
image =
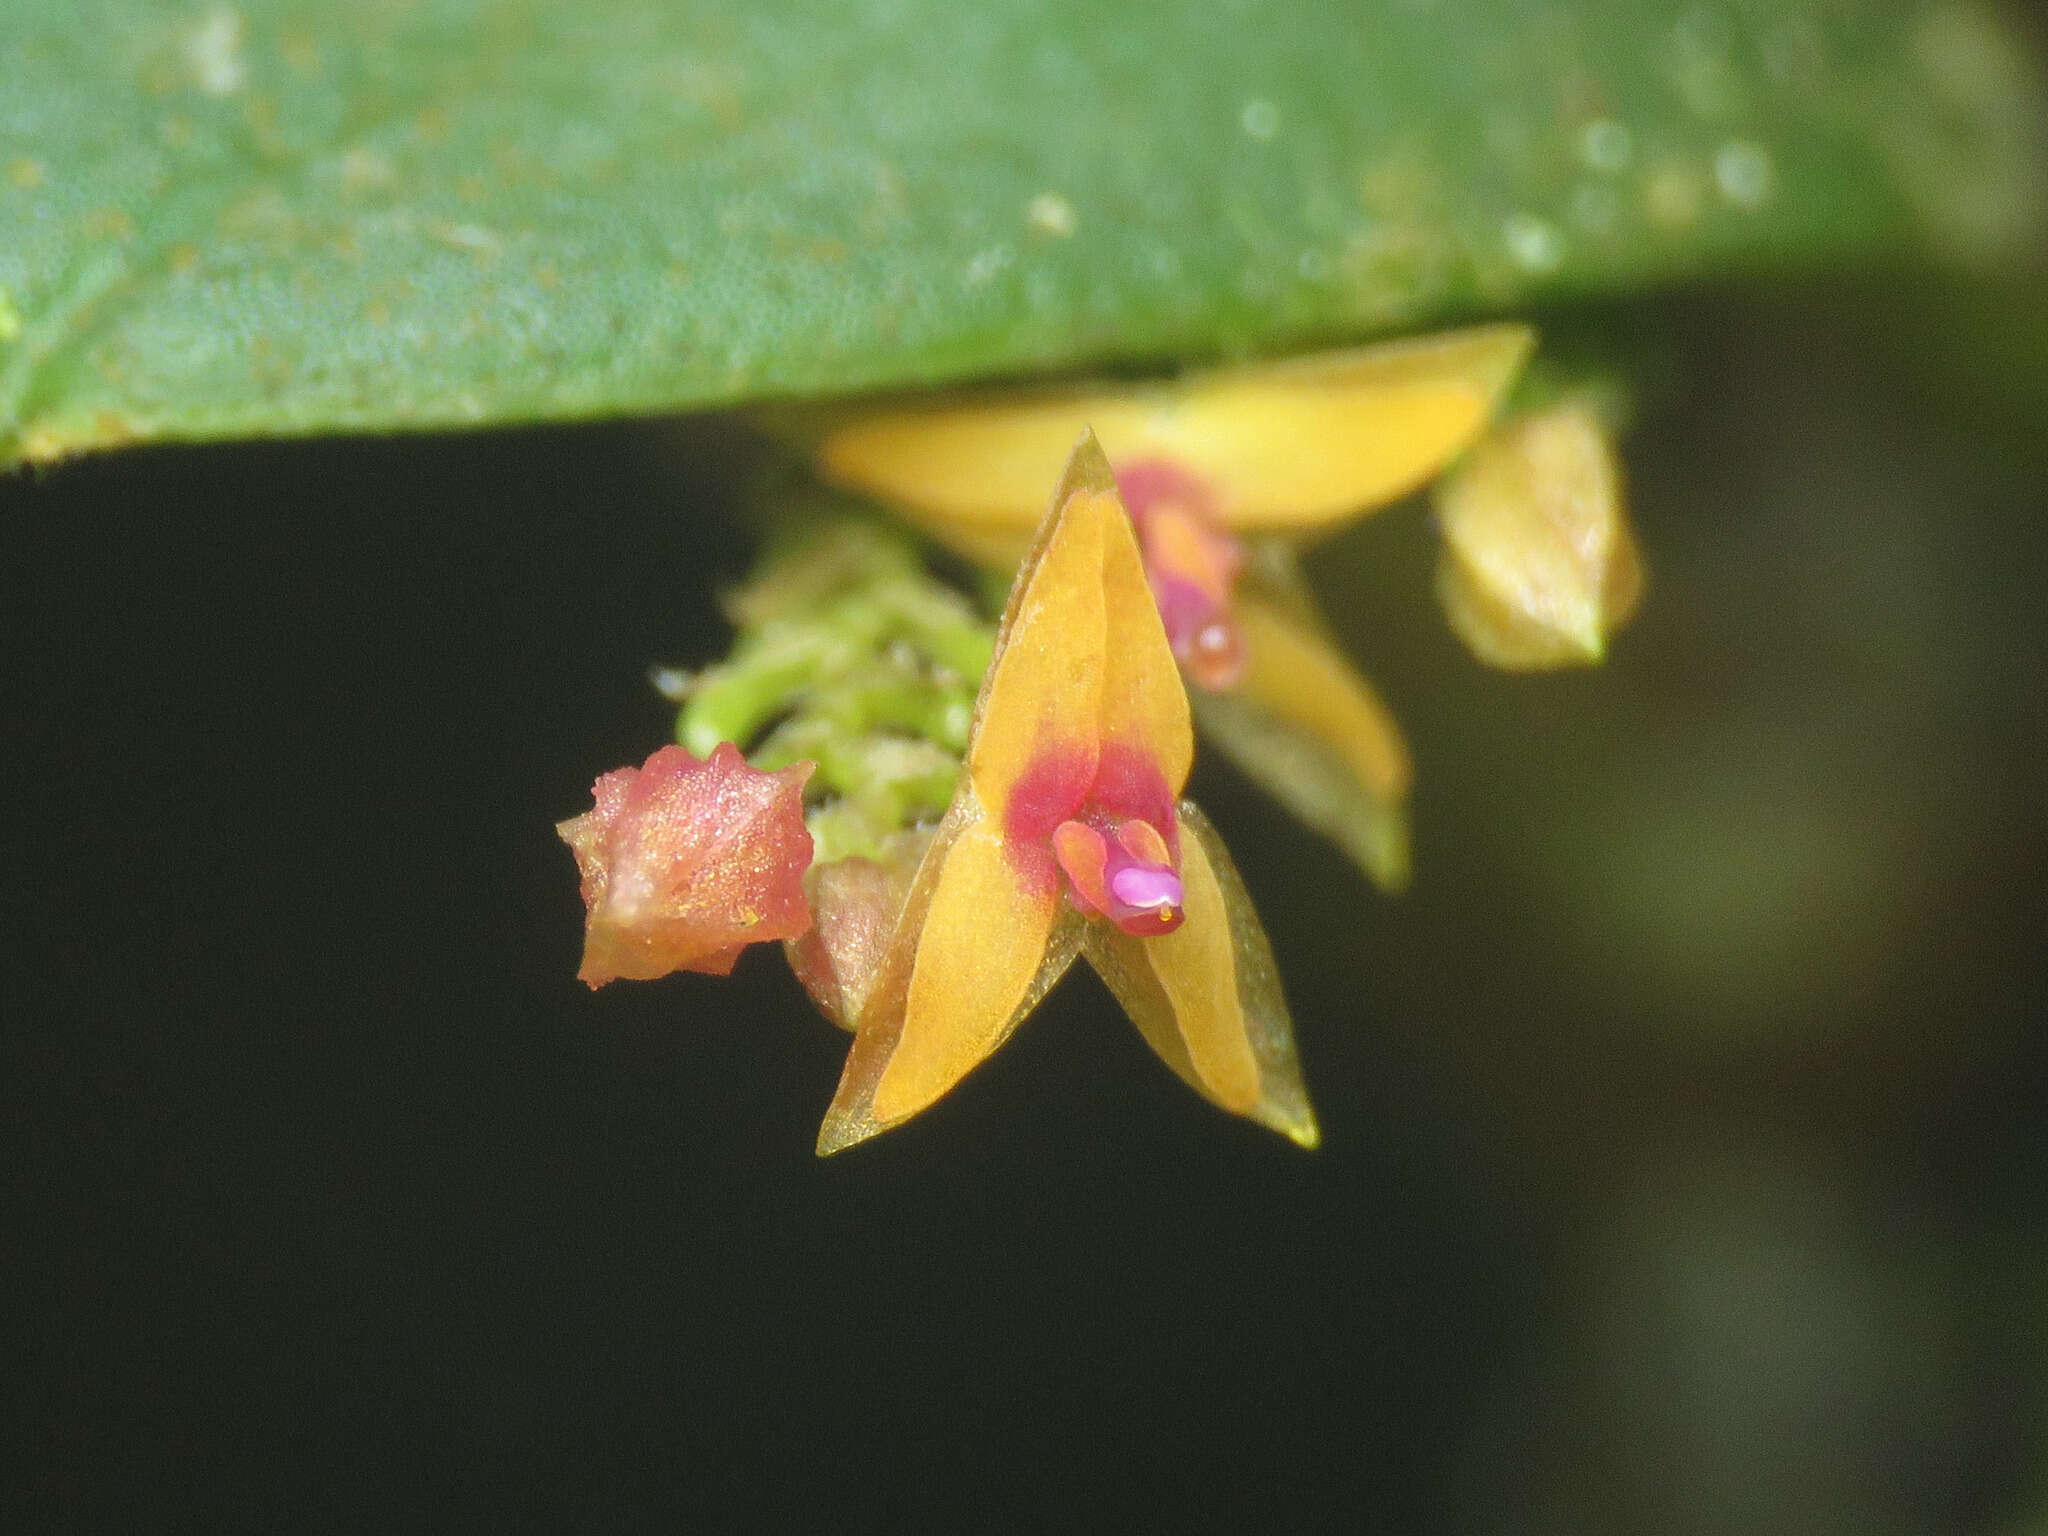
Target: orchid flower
{"points": [[1214, 468], [1067, 835]]}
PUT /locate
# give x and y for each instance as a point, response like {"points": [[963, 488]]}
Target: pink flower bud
{"points": [[686, 861], [1192, 565]]}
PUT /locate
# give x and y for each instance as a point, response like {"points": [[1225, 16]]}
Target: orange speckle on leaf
{"points": [[109, 224]]}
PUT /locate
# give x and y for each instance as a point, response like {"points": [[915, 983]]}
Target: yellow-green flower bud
{"points": [[1538, 566]]}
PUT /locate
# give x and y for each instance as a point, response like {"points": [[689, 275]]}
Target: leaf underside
{"points": [[292, 216]]}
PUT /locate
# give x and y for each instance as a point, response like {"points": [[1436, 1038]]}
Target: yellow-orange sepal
{"points": [[973, 953], [1081, 661]]}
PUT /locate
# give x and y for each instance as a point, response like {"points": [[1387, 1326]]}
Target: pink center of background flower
{"points": [[1191, 564]]}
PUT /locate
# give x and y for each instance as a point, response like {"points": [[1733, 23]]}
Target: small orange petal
{"points": [[1142, 841], [1128, 879], [1178, 544], [1083, 856]]}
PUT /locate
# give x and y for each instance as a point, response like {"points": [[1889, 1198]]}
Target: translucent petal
{"points": [[855, 904], [975, 951], [1315, 734], [1293, 445], [1207, 997]]}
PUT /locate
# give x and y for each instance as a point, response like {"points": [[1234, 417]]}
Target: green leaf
{"points": [[295, 216]]}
